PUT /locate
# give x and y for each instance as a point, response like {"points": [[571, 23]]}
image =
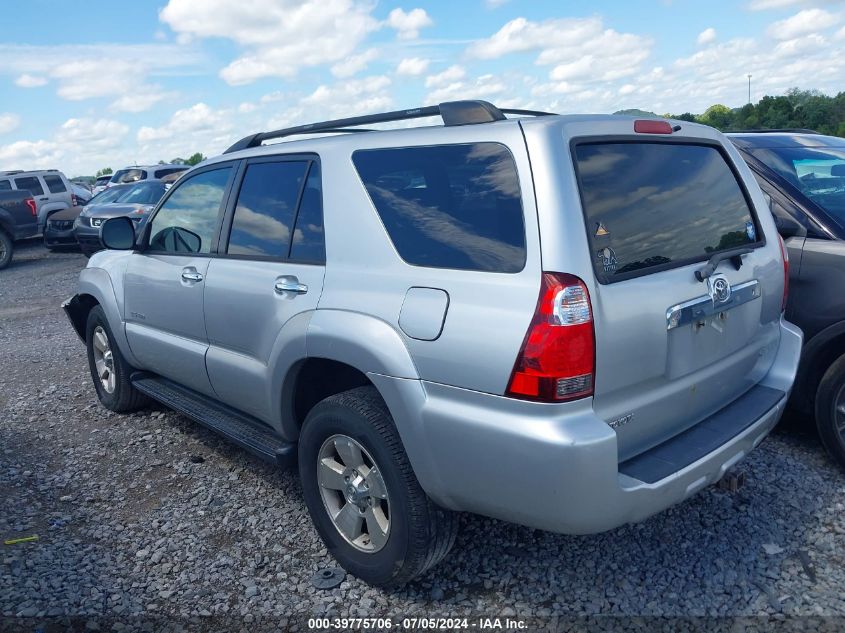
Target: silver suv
{"points": [[144, 172], [568, 322], [50, 188]]}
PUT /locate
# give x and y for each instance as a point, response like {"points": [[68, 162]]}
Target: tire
{"points": [[119, 395], [420, 534], [830, 423], [6, 249]]}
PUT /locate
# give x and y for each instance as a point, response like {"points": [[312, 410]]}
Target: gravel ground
{"points": [[148, 521]]}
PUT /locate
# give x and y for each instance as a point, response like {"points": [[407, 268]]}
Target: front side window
{"points": [[266, 209], [448, 206], [55, 184], [187, 221], [5, 185], [31, 183], [652, 206]]}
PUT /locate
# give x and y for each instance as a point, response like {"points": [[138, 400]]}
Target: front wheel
{"points": [[363, 496], [6, 248], [109, 370], [830, 410]]}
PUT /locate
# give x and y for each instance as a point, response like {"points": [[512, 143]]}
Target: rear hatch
{"points": [[671, 349]]}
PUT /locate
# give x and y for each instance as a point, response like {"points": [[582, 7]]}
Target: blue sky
{"points": [[94, 84]]}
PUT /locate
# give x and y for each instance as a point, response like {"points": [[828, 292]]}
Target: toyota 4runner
{"points": [[568, 322]]}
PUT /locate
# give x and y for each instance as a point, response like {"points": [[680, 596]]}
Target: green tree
{"points": [[105, 171], [195, 159], [719, 116]]}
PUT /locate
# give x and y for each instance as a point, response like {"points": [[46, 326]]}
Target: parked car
{"points": [[18, 219], [49, 187], [101, 183], [803, 176], [144, 172], [82, 195], [133, 200], [59, 230], [540, 320]]}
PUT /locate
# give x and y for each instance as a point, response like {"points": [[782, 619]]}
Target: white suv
{"points": [[49, 187]]}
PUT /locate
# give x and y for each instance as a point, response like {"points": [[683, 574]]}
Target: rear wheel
{"points": [[830, 410], [6, 248], [109, 370], [363, 496]]}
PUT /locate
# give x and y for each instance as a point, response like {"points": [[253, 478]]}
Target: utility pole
{"points": [[749, 89]]}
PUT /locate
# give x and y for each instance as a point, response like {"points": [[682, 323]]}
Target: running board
{"points": [[242, 429]]}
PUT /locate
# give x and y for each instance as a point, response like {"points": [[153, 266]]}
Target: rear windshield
{"points": [[128, 175], [653, 206]]}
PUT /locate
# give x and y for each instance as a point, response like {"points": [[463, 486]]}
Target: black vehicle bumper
{"points": [[59, 238], [77, 314]]}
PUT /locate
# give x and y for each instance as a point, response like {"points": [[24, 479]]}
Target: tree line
{"points": [[806, 109]]}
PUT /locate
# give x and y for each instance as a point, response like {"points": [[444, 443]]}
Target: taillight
{"points": [[557, 359], [30, 202], [785, 254]]}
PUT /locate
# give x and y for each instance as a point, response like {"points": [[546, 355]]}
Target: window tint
{"points": [[5, 185], [30, 182], [448, 206], [109, 195], [55, 184], [102, 180], [144, 193], [265, 210], [658, 204], [187, 221], [308, 241], [161, 173]]}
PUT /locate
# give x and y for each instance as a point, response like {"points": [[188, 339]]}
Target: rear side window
{"points": [[5, 185], [266, 209], [448, 206], [308, 242], [653, 206], [55, 184], [161, 173], [30, 182], [128, 175]]}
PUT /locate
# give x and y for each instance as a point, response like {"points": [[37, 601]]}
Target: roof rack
{"points": [[792, 130], [452, 112]]}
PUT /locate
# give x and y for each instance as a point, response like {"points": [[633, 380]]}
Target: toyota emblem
{"points": [[720, 289]]}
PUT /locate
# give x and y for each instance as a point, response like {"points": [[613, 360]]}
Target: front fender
{"points": [[97, 283]]}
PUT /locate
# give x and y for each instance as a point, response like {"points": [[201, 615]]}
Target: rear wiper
{"points": [[735, 255]]}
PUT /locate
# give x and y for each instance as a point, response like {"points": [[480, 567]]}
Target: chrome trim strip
{"points": [[702, 307]]}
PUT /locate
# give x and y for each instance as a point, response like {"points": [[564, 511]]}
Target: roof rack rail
{"points": [[793, 130], [452, 112]]}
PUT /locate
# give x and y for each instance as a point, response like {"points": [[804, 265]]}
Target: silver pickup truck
{"points": [[568, 322]]}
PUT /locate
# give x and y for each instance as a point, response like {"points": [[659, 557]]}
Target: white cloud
{"points": [[91, 134], [280, 36], [485, 86], [494, 4], [408, 25], [580, 49], [138, 100], [29, 155], [199, 119], [762, 5], [30, 81], [803, 22], [448, 76], [840, 34], [354, 64], [412, 66], [349, 98], [706, 36], [9, 122], [246, 107]]}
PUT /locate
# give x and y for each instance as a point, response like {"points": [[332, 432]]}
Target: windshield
{"points": [[108, 195], [128, 175], [146, 193], [817, 172]]}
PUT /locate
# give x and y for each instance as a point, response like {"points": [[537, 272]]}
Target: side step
{"points": [[242, 429]]}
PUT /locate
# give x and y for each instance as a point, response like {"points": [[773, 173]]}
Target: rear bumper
{"points": [[556, 467]]}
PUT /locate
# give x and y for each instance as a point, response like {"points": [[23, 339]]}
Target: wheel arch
{"points": [[817, 356]]}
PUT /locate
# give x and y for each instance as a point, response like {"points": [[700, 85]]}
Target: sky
{"points": [[103, 83]]}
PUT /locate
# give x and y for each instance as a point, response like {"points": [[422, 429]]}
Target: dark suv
{"points": [[803, 175]]}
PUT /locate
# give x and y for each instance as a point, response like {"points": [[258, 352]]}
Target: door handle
{"points": [[290, 285], [191, 275], [44, 199]]}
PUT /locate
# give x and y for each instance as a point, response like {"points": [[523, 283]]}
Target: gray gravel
{"points": [[134, 528]]}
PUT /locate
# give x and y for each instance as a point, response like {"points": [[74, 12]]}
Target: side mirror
{"points": [[118, 234], [788, 227]]}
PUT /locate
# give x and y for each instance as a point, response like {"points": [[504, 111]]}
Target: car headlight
{"points": [[96, 221]]}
